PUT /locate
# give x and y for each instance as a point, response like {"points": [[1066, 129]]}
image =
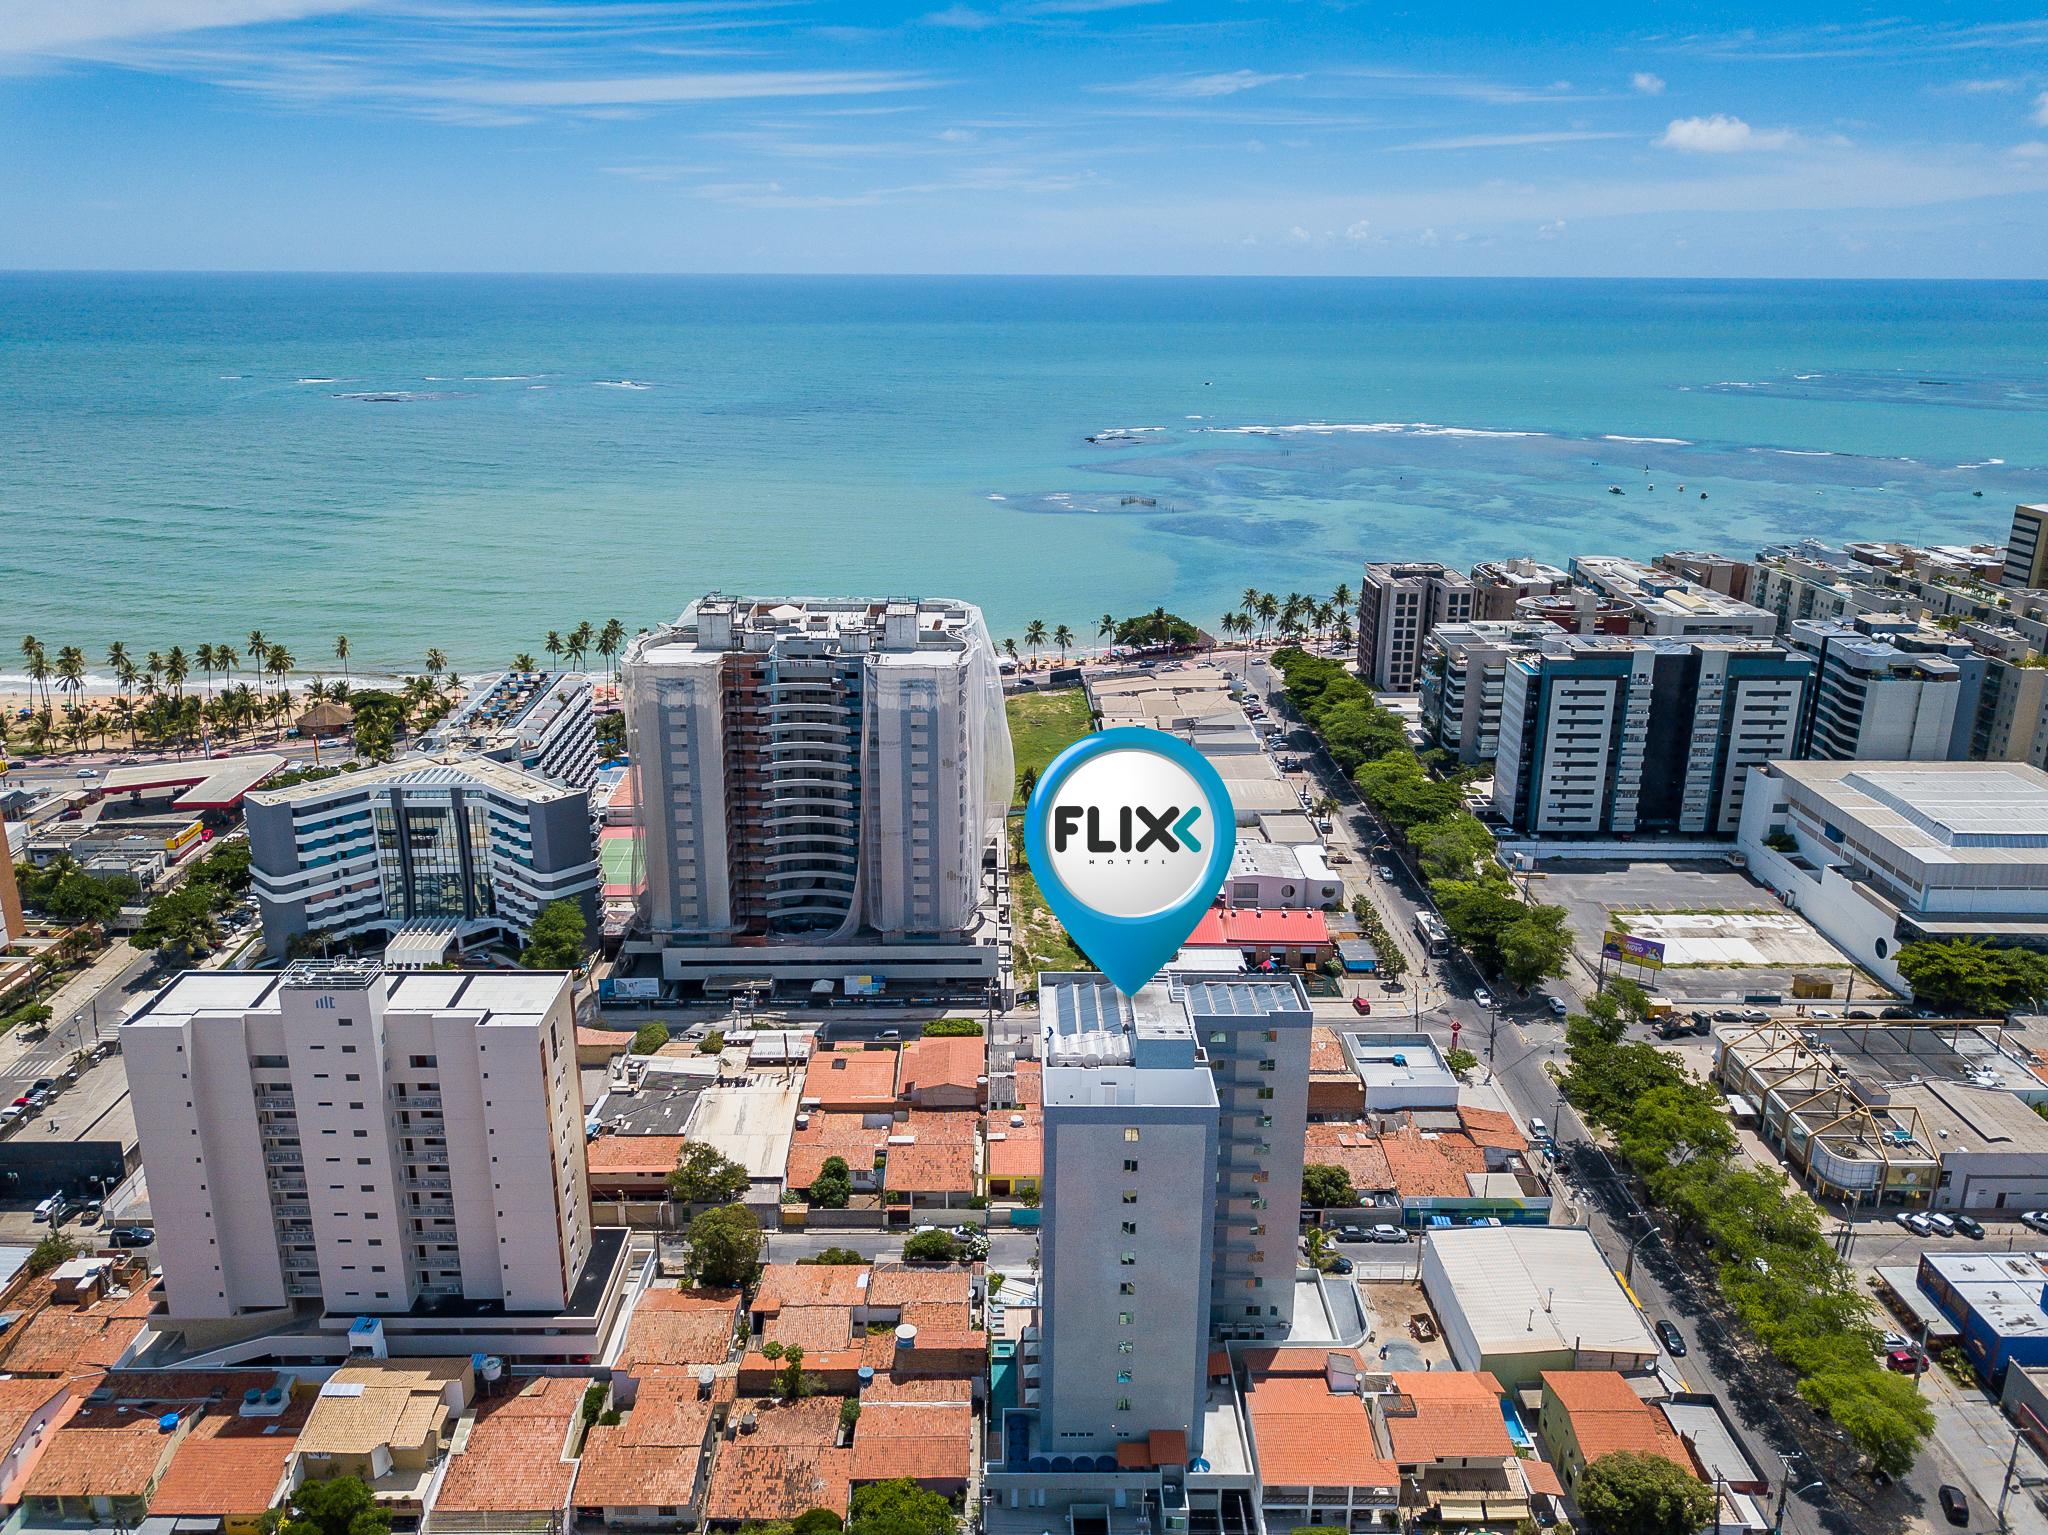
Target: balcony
{"points": [[273, 1101], [429, 1183], [416, 1100]]}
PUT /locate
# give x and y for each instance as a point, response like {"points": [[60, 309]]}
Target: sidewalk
{"points": [[74, 996]]}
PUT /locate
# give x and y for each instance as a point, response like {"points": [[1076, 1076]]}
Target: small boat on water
{"points": [[1616, 490]]}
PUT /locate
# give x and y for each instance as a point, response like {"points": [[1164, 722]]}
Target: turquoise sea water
{"points": [[469, 462]]}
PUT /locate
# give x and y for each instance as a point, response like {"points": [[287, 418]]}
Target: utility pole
{"points": [[1785, 1491]]}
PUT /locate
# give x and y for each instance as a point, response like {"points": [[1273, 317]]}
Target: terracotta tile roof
{"points": [[814, 1329], [898, 1284], [616, 1039], [813, 1421], [1030, 1077], [632, 1155], [753, 1481], [20, 1401], [1431, 1166], [825, 1134], [1356, 1149], [851, 1078], [654, 1456], [939, 1318], [1326, 1053], [1541, 1476], [950, 1062], [1457, 1414], [933, 1152], [66, 1340], [513, 1461], [230, 1464], [837, 1367], [679, 1328], [888, 1386], [1305, 1434], [1492, 1127], [1161, 1447], [104, 1452], [1607, 1415], [926, 1442], [810, 1284]]}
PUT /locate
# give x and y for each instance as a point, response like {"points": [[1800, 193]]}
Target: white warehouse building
{"points": [[1883, 853]]}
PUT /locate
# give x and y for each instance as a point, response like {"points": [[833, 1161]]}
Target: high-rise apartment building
{"points": [[822, 783], [343, 1137], [469, 847], [1462, 678], [544, 722], [1667, 606], [1715, 572], [12, 923], [1174, 1130], [1397, 607], [2026, 547], [1603, 735], [1872, 700], [1497, 585]]}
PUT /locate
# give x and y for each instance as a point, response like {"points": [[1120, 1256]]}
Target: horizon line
{"points": [[991, 276]]}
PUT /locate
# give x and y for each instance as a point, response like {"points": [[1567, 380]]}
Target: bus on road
{"points": [[1436, 938]]}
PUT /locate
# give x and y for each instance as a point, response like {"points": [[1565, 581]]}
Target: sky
{"points": [[1253, 137]]}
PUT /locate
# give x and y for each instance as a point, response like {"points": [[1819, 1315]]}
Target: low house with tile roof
{"points": [[1319, 1459], [76, 1328], [674, 1331], [234, 1466], [851, 1079], [948, 1072], [931, 1158], [649, 1470], [929, 1443], [858, 1140], [779, 1459], [1447, 1435], [1334, 1089], [31, 1409], [1590, 1413], [510, 1464], [385, 1422], [631, 1166]]}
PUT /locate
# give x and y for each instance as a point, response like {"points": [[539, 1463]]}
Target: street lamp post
{"points": [[1786, 1490]]}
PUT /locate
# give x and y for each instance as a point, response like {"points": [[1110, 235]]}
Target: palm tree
{"points": [[225, 657], [71, 675], [341, 652], [1105, 627], [119, 664], [1010, 649], [1250, 599], [1326, 617], [1034, 635], [177, 668], [611, 639], [1268, 610], [259, 652], [522, 662], [1340, 599], [437, 663], [580, 639], [1064, 638], [279, 662], [553, 645], [38, 668], [316, 690], [202, 656], [152, 668]]}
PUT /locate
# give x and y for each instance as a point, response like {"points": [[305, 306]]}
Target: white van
{"points": [[49, 1207]]}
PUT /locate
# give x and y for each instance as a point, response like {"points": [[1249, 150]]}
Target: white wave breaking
{"points": [[1666, 442]]}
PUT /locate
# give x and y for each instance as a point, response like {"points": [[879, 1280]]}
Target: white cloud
{"points": [[965, 17], [2033, 149], [1299, 236], [1554, 230], [1643, 83], [666, 89], [1197, 87], [2041, 109], [1720, 135], [1361, 233], [1997, 87]]}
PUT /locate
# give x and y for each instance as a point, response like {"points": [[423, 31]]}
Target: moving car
{"points": [[1558, 1006], [1905, 1360], [1383, 870], [88, 772], [1482, 996], [1955, 1508], [1672, 1339]]}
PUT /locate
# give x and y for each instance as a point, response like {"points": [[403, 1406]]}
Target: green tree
{"points": [[1968, 975], [81, 897], [649, 1037], [52, 1250], [833, 1186], [559, 938], [791, 1383], [339, 1506], [1460, 1061], [725, 1246], [1626, 1493], [953, 1028], [822, 1521], [182, 923], [933, 1246], [835, 1257], [1327, 1187], [899, 1507], [703, 1175], [1456, 847], [1404, 795]]}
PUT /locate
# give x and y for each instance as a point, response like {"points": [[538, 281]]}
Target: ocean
{"points": [[469, 462]]}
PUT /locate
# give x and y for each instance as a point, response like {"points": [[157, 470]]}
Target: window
{"points": [[1131, 1133], [1126, 1288], [1127, 1258], [1123, 1377], [1130, 1164], [1126, 1347], [1130, 1196], [1123, 1318], [1130, 1228], [1123, 1404]]}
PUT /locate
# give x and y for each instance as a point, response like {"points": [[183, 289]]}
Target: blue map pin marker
{"points": [[1130, 834]]}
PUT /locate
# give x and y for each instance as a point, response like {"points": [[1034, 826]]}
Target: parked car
{"points": [[1353, 1234], [2034, 1220], [1672, 1339], [1727, 1015], [1820, 1012], [130, 1236], [1955, 1508], [1970, 1227], [1944, 1225], [1360, 1005], [1483, 997], [48, 1208], [1905, 1360], [1340, 1264], [1919, 1222], [1538, 1130], [1892, 1340], [1389, 1234], [1859, 1012], [11, 1116], [42, 1084], [1896, 1012], [1755, 1015]]}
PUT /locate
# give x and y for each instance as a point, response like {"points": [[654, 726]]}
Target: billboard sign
{"points": [[1631, 950]]}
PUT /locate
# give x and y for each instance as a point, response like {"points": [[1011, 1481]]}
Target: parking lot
{"points": [[1726, 936]]}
